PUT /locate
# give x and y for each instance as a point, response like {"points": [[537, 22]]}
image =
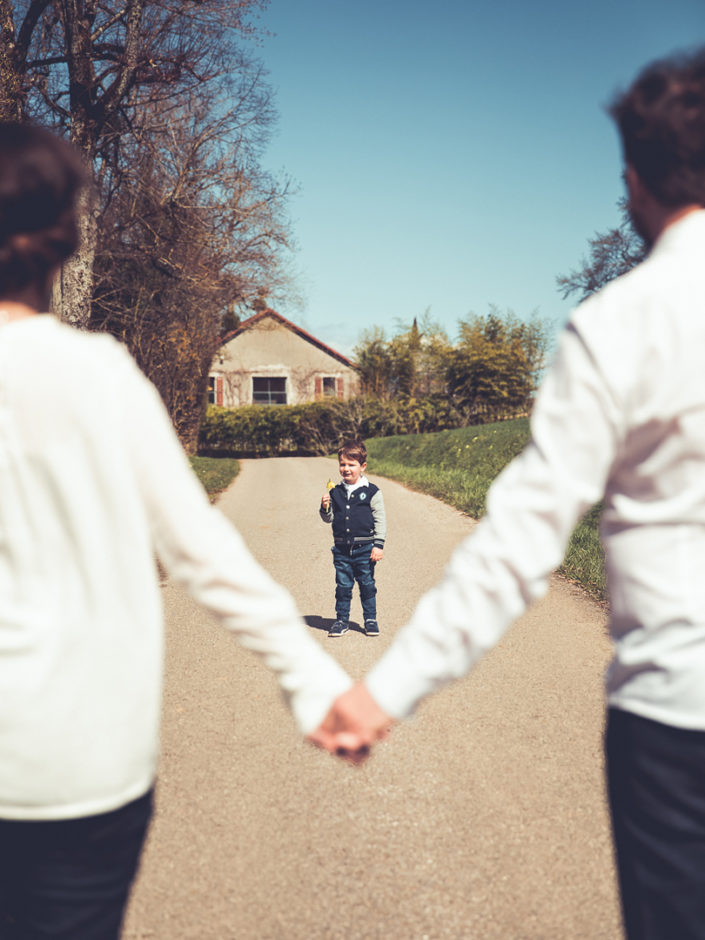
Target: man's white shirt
{"points": [[620, 417]]}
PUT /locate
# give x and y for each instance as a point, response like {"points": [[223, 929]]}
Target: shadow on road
{"points": [[325, 623]]}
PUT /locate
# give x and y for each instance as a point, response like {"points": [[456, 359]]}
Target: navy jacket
{"points": [[358, 518]]}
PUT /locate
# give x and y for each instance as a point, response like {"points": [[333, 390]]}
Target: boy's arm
{"points": [[380, 519], [326, 513]]}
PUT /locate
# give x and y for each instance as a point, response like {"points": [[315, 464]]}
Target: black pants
{"points": [[70, 878], [656, 781]]}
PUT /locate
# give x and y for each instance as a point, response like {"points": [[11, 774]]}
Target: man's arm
{"points": [[505, 564]]}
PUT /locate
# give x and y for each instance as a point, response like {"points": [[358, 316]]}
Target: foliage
{"points": [[172, 114], [611, 254], [215, 473], [411, 363], [186, 235], [458, 466], [491, 371], [494, 367], [316, 427]]}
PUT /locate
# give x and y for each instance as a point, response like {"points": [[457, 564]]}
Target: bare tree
{"points": [[89, 67], [192, 228]]}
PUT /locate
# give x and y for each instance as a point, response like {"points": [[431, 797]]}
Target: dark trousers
{"points": [[656, 782], [352, 563], [70, 878]]}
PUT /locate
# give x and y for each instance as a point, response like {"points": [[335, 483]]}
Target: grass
{"points": [[215, 473], [459, 466]]}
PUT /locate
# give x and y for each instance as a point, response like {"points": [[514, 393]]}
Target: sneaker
{"points": [[339, 628], [371, 628]]}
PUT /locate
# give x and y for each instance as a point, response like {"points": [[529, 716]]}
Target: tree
{"points": [[89, 67], [187, 237], [612, 254], [495, 365], [411, 363]]}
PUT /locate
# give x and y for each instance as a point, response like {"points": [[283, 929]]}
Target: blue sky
{"points": [[450, 154]]}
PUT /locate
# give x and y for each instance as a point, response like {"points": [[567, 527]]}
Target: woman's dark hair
{"points": [[41, 176], [661, 120]]}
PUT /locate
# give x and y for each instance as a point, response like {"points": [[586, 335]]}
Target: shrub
{"points": [[317, 427]]}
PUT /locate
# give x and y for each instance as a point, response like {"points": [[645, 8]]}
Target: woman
{"points": [[93, 483]]}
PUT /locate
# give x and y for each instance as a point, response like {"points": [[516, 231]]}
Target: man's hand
{"points": [[376, 554], [354, 722]]}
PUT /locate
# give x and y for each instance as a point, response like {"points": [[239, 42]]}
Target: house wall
{"points": [[270, 349]]}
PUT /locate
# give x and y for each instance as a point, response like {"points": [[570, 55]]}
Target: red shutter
{"points": [[318, 387], [339, 383], [219, 390]]}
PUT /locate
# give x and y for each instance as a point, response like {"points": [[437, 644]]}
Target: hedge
{"points": [[316, 428]]}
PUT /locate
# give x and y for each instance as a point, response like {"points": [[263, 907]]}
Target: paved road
{"points": [[482, 818]]}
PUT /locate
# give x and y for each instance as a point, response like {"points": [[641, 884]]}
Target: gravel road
{"points": [[483, 818]]}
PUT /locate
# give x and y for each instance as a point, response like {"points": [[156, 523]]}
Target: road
{"points": [[483, 818]]}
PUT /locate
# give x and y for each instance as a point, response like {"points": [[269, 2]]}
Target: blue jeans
{"points": [[352, 563], [70, 878]]}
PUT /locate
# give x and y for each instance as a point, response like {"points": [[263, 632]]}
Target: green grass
{"points": [[215, 473], [459, 466]]}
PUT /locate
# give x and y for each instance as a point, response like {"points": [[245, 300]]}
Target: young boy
{"points": [[356, 509]]}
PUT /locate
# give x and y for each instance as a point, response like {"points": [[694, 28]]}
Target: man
{"points": [[620, 417]]}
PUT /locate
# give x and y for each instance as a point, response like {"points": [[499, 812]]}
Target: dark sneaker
{"points": [[371, 628], [339, 628]]}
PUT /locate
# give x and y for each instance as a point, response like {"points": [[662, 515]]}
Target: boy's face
{"points": [[350, 470]]}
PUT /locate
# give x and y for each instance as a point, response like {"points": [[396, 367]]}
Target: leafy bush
{"points": [[317, 427]]}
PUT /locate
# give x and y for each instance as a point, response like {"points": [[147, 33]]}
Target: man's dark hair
{"points": [[40, 178], [661, 121], [354, 450]]}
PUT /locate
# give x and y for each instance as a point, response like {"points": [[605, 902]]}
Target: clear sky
{"points": [[451, 154]]}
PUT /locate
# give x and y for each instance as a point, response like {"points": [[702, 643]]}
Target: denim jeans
{"points": [[70, 878], [352, 563]]}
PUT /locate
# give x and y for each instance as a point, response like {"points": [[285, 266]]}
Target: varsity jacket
{"points": [[358, 516]]}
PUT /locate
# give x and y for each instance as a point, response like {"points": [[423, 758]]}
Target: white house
{"points": [[268, 360]]}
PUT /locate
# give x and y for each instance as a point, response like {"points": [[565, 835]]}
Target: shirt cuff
{"points": [[396, 686], [312, 700]]}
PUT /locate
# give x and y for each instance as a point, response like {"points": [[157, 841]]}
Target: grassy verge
{"points": [[215, 473], [459, 466]]}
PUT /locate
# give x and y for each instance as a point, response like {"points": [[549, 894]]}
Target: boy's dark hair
{"points": [[661, 121], [354, 450], [41, 176]]}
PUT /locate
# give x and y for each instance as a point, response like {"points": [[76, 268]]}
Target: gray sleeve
{"points": [[380, 519]]}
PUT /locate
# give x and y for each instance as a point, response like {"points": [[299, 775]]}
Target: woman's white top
{"points": [[93, 482]]}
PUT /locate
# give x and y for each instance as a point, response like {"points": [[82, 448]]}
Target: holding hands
{"points": [[353, 724]]}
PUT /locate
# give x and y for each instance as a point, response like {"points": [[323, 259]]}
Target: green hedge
{"points": [[318, 427]]}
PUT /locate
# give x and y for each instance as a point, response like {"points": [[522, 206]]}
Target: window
{"points": [[268, 391], [329, 386], [211, 389]]}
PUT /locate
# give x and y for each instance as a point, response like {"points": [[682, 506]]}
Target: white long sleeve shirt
{"points": [[621, 414], [92, 481]]}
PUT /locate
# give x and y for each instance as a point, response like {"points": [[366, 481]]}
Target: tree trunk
{"points": [[73, 289], [10, 71]]}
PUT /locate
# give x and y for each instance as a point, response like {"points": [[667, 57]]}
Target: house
{"points": [[268, 360]]}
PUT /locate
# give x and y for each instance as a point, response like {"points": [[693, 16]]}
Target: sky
{"points": [[450, 155]]}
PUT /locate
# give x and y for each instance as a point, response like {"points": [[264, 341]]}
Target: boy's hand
{"points": [[376, 554], [325, 503]]}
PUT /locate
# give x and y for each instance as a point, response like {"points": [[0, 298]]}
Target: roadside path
{"points": [[483, 818]]}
